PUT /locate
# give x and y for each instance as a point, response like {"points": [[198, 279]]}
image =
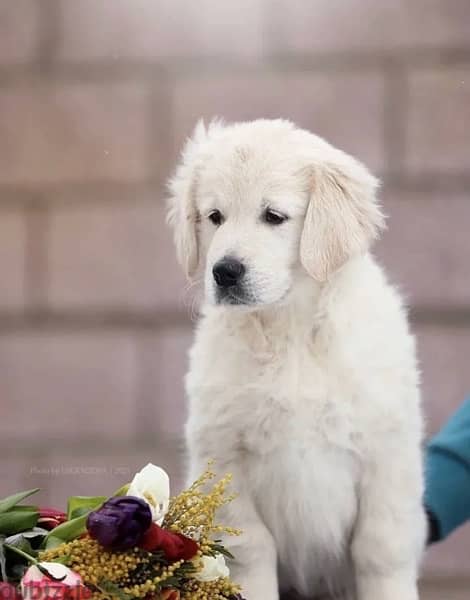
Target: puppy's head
{"points": [[257, 206]]}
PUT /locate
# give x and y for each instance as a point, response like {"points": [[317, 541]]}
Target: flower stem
{"points": [[28, 557]]}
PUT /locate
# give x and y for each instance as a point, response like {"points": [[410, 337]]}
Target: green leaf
{"points": [[219, 549], [171, 582], [50, 542], [78, 506], [63, 560], [65, 532], [113, 590], [23, 508], [20, 541], [10, 501], [15, 521]]}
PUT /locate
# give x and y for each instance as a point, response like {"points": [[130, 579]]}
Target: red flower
{"points": [[175, 546], [51, 517]]}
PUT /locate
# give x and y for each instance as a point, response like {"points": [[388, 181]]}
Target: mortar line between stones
{"points": [[201, 67], [138, 322], [36, 256]]}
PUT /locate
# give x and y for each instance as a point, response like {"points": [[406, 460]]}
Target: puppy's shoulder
{"points": [[372, 337], [368, 323], [361, 293]]}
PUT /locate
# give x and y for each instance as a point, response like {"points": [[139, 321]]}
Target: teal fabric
{"points": [[448, 473]]}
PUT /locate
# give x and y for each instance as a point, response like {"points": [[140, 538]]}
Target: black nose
{"points": [[228, 271]]}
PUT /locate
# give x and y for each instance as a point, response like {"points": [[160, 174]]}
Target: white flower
{"points": [[212, 568], [152, 484]]}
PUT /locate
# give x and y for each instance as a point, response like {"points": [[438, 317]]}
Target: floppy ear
{"points": [[342, 217], [182, 212]]}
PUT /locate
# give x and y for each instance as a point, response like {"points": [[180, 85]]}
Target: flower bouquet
{"points": [[140, 543]]}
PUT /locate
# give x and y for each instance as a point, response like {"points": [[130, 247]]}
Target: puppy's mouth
{"points": [[239, 296], [234, 296]]}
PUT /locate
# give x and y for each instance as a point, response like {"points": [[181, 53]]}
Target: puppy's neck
{"points": [[265, 328]]}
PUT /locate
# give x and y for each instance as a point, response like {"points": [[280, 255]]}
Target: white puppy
{"points": [[303, 380]]}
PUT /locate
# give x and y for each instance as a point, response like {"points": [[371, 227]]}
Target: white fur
{"points": [[309, 393]]}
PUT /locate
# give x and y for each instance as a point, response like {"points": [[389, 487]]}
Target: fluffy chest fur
{"points": [[273, 385], [279, 406]]}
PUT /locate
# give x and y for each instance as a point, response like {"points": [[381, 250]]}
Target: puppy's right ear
{"points": [[182, 212], [343, 216]]}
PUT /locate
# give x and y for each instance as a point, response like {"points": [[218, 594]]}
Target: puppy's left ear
{"points": [[182, 212], [342, 219]]}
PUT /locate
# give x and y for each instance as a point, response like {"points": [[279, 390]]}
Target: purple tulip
{"points": [[120, 523]]}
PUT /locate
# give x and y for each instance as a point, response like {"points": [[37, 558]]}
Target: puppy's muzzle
{"points": [[228, 272]]}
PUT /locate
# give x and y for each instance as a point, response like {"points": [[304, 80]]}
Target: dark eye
{"points": [[273, 217], [216, 217]]}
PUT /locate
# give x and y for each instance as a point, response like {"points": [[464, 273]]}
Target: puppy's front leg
{"points": [[390, 532], [255, 563]]}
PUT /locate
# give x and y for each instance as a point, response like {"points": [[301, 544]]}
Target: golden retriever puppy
{"points": [[303, 380]]}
